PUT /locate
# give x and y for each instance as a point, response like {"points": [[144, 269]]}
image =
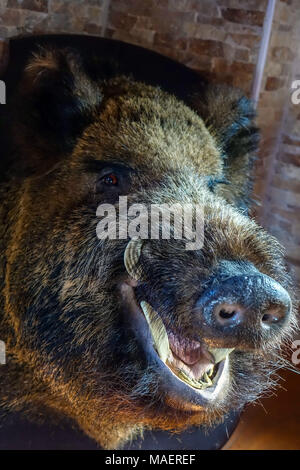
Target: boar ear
{"points": [[229, 117], [56, 100]]}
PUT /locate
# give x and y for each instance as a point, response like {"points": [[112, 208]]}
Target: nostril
{"points": [[228, 314], [225, 314], [273, 316]]}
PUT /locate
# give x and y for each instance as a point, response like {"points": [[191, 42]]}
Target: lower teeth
{"points": [[204, 382]]}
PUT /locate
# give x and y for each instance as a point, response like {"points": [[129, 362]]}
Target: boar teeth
{"points": [[158, 331], [161, 344], [131, 258], [220, 353], [201, 384], [207, 379]]}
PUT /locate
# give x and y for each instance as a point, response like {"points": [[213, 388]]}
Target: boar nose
{"points": [[244, 304], [231, 314]]}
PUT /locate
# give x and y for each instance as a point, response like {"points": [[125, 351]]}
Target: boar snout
{"points": [[245, 309]]}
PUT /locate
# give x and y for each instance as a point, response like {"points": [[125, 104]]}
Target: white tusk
{"points": [[158, 331], [131, 258], [220, 353]]}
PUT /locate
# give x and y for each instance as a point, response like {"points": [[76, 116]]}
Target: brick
{"points": [[92, 28], [286, 184], [242, 55], [284, 214], [138, 7], [273, 99], [167, 39], [209, 31], [285, 198], [180, 5], [205, 7], [291, 158], [207, 47], [63, 23], [190, 29], [34, 5], [144, 35], [290, 140], [202, 62], [284, 15], [273, 68], [245, 4], [220, 66], [216, 21], [242, 68], [59, 6], [283, 54], [208, 7], [274, 83], [163, 20], [143, 22], [286, 226], [8, 31], [282, 39], [243, 16], [243, 81], [285, 28], [245, 40], [288, 170], [11, 17], [120, 21], [236, 28]]}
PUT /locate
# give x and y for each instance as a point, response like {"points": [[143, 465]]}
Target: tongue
{"points": [[188, 351]]}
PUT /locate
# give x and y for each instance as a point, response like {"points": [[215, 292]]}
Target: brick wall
{"points": [[278, 172], [282, 200], [220, 38], [54, 16]]}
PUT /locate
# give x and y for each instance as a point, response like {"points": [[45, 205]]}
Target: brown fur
{"points": [[68, 349]]}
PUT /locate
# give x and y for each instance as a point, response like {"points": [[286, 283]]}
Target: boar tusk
{"points": [[131, 258], [220, 354], [158, 331]]}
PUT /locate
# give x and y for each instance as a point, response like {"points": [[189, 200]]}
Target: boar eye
{"points": [[110, 179]]}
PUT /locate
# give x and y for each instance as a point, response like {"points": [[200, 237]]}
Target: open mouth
{"points": [[191, 362], [190, 371]]}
